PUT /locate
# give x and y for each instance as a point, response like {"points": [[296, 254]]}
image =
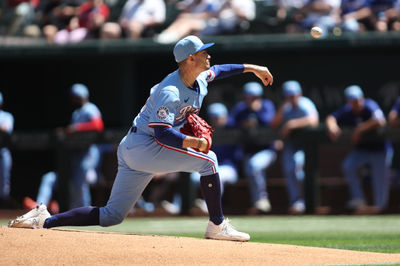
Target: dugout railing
{"points": [[62, 145]]}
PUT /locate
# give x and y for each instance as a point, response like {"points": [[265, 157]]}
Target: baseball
{"points": [[316, 32]]}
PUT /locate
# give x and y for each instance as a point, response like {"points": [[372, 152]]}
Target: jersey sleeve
{"points": [[222, 71], [309, 108], [396, 106], [90, 119], [8, 124], [376, 112], [165, 106]]}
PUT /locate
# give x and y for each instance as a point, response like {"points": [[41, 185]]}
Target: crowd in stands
{"points": [[71, 21]]}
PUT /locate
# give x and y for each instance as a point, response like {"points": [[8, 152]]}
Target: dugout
{"points": [[36, 78]]}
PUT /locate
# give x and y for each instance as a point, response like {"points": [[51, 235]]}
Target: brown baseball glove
{"points": [[197, 127]]}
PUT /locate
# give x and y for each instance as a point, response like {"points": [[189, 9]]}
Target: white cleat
{"points": [[33, 219], [225, 231]]}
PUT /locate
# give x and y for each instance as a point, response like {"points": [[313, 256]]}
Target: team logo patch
{"points": [[210, 75], [162, 113]]}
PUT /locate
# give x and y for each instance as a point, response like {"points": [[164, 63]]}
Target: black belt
{"points": [[133, 129]]}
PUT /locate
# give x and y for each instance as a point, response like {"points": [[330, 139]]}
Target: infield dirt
{"points": [[70, 247]]}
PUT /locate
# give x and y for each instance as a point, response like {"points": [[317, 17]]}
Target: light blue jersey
{"points": [[170, 101], [141, 155], [305, 107], [86, 113], [6, 121]]}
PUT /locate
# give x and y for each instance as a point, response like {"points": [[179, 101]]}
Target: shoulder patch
{"points": [[210, 75], [162, 112]]}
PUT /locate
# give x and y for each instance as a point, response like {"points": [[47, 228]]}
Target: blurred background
{"points": [[119, 49]]}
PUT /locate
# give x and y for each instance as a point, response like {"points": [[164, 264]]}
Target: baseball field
{"points": [[275, 240]]}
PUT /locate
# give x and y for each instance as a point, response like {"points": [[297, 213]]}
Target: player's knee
{"points": [[109, 217], [212, 162]]}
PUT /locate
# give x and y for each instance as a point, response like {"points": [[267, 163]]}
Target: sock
{"points": [[76, 217], [211, 189]]}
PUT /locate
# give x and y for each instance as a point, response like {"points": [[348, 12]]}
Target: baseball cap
{"points": [[253, 89], [291, 88], [80, 90], [353, 92], [188, 46], [217, 110]]}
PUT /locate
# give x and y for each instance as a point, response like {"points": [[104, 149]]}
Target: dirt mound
{"points": [[68, 247]]}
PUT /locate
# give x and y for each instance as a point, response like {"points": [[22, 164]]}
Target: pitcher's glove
{"points": [[197, 127]]}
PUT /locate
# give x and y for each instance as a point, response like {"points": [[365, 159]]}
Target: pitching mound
{"points": [[67, 247]]}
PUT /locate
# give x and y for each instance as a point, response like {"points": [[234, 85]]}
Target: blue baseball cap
{"points": [[1, 98], [253, 89], [291, 88], [353, 92], [80, 90], [188, 46], [217, 110]]}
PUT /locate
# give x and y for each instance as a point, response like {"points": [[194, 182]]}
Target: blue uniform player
{"points": [[394, 114], [86, 117], [254, 112], [365, 116], [154, 145], [296, 112], [6, 126]]}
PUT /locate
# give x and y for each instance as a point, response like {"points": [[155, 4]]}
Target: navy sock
{"points": [[76, 217], [211, 189]]}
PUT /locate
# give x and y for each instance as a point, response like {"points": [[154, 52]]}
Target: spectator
{"points": [[296, 112], [255, 112], [56, 15], [86, 25], [382, 14], [192, 19], [232, 17], [321, 13], [6, 128], [287, 11], [138, 18], [352, 14], [365, 116], [19, 14]]}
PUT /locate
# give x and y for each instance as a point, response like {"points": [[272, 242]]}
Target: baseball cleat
{"points": [[263, 205], [225, 231], [33, 219]]}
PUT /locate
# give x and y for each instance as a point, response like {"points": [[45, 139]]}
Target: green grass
{"points": [[364, 233]]}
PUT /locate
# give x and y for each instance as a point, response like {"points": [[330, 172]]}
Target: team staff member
{"points": [[296, 112], [253, 112], [6, 126], [154, 145], [365, 116], [86, 117]]}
